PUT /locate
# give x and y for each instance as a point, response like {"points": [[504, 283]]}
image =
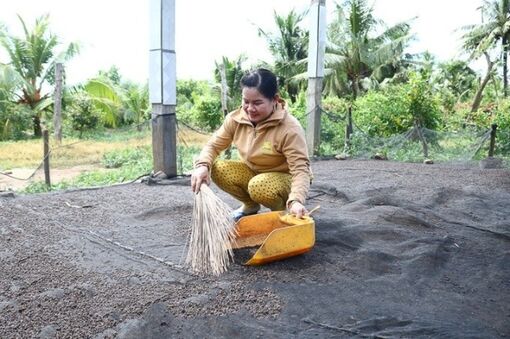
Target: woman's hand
{"points": [[199, 176], [297, 209]]}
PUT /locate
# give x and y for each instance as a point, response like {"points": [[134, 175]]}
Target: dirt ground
{"points": [[402, 250]]}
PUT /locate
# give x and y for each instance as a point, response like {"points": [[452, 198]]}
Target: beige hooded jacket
{"points": [[276, 144]]}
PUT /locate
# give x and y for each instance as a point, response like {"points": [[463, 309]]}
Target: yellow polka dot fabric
{"points": [[269, 189]]}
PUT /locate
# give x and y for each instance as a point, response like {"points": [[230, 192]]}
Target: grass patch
{"points": [[89, 150], [72, 152], [120, 166]]}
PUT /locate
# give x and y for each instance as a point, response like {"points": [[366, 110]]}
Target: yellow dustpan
{"points": [[279, 235]]}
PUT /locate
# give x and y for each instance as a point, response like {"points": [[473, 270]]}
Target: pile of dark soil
{"points": [[403, 250]]}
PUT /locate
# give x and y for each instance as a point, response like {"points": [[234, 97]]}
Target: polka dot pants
{"points": [[269, 189]]}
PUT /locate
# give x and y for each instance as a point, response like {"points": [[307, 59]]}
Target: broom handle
{"points": [[313, 210]]}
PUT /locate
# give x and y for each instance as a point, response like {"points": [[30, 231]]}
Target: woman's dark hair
{"points": [[263, 80]]}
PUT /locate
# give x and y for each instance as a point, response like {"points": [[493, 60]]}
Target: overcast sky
{"points": [[115, 32]]}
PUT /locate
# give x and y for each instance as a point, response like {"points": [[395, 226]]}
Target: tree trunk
{"points": [[293, 93], [424, 145], [478, 97], [37, 126], [504, 41], [348, 130], [355, 88]]}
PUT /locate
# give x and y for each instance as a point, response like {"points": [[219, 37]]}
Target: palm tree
{"points": [[495, 28], [136, 103], [33, 57], [457, 77], [233, 72], [289, 46], [354, 56]]}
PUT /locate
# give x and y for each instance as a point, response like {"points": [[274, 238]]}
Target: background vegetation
{"points": [[393, 97]]}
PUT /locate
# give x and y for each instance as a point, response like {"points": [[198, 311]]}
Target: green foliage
{"points": [[394, 109], [502, 115], [127, 157], [82, 114], [33, 56], [333, 121], [423, 106], [501, 118], [467, 146], [359, 53], [382, 113], [207, 112], [121, 166], [457, 77], [187, 91], [289, 47], [135, 102], [234, 71], [298, 108], [111, 76], [198, 105], [15, 120], [185, 156], [106, 99]]}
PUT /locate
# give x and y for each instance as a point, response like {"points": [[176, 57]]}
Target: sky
{"points": [[116, 32]]}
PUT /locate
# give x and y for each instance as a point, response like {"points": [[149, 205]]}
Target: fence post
{"points": [[493, 139], [46, 158], [348, 129], [417, 126], [57, 114]]}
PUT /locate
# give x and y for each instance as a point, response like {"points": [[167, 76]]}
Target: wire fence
{"points": [[125, 154]]}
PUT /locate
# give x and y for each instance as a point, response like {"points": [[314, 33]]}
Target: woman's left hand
{"points": [[298, 209]]}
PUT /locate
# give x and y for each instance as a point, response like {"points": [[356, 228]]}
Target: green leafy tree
{"points": [[422, 104], [396, 108], [289, 47], [112, 76], [33, 56], [457, 77], [82, 113]]}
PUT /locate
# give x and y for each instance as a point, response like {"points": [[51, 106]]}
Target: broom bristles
{"points": [[212, 232]]}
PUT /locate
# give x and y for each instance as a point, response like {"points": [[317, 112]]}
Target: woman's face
{"points": [[257, 106]]}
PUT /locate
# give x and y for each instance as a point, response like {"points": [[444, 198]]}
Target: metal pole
{"points": [[162, 86], [316, 49]]}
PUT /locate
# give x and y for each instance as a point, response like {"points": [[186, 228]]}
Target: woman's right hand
{"points": [[198, 176]]}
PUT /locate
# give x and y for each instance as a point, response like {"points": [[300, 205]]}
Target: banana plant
{"points": [[106, 99]]}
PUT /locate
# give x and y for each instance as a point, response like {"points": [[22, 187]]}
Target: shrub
{"points": [[82, 114], [15, 119], [383, 113], [394, 109]]}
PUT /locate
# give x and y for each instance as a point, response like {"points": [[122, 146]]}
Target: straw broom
{"points": [[210, 250]]}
